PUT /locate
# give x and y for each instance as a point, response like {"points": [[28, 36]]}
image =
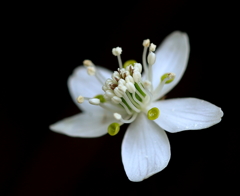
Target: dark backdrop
{"points": [[47, 41]]}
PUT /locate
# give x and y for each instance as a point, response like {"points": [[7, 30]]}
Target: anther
{"points": [[94, 101], [117, 116], [147, 84], [80, 99], [152, 47], [168, 77], [146, 42], [151, 58], [129, 79], [128, 63], [116, 100], [137, 76], [87, 63], [130, 87], [165, 79], [101, 98], [138, 66], [117, 51]]}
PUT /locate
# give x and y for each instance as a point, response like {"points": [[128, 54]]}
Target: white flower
{"points": [[127, 96]]}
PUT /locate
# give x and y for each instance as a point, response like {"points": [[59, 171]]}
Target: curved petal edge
{"points": [[187, 114], [145, 149]]}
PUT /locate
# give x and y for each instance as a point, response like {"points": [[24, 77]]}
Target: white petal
{"points": [[171, 56], [145, 149], [80, 83], [84, 124], [186, 114]]}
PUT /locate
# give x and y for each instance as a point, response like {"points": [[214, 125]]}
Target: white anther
{"points": [[115, 79], [121, 82], [87, 63], [106, 97], [116, 100], [94, 101], [104, 88], [118, 92], [129, 79], [117, 116], [152, 47], [146, 42], [130, 87], [115, 74], [109, 93], [147, 84], [80, 99], [151, 58], [138, 66], [91, 71], [122, 88], [117, 51], [108, 82], [171, 76], [137, 76]]}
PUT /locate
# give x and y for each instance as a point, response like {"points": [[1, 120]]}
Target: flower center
{"points": [[127, 93]]}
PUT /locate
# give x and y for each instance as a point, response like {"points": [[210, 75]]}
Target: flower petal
{"points": [[171, 56], [187, 114], [145, 149], [80, 83], [85, 124]]}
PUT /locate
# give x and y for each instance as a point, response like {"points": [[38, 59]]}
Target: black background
{"points": [[45, 42]]}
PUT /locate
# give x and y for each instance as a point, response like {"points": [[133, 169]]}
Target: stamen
{"points": [[151, 61], [138, 66], [80, 99], [146, 44], [91, 71], [101, 98], [119, 117], [137, 76], [170, 76], [87, 63], [153, 113], [116, 100], [113, 129], [152, 47], [165, 79], [117, 52], [128, 63], [147, 84], [94, 101], [111, 107], [130, 103], [126, 108], [136, 104]]}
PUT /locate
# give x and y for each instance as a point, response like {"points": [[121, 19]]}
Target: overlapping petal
{"points": [[171, 56], [145, 149], [93, 124], [80, 83], [187, 114]]}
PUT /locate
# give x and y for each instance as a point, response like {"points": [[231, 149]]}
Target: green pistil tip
{"points": [[129, 62], [153, 113], [113, 129], [166, 75], [101, 98]]}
